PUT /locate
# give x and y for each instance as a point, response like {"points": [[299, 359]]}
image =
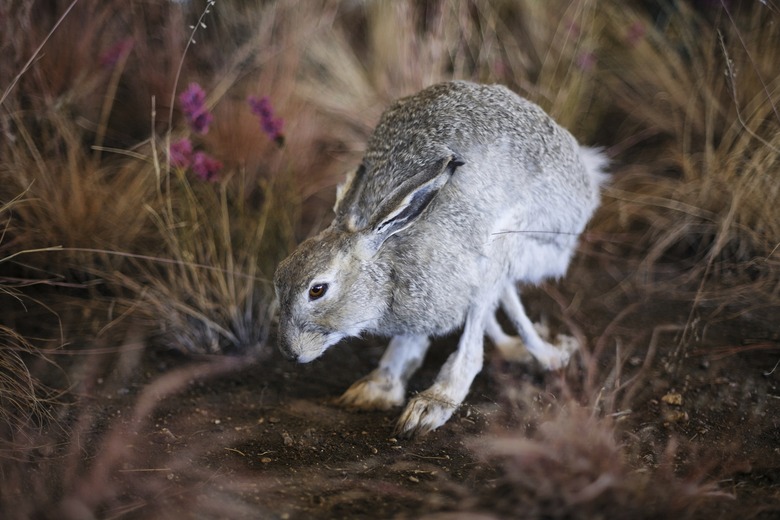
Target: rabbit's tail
{"points": [[596, 163]]}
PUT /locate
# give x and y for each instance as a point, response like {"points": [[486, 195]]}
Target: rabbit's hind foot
{"points": [[554, 357], [376, 391], [511, 348]]}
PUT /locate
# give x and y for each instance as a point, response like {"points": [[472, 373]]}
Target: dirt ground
{"points": [[266, 441]]}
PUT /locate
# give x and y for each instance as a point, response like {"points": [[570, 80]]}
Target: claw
{"points": [[376, 391], [424, 413]]}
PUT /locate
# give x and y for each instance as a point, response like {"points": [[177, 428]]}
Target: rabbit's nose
{"points": [[286, 350], [283, 340]]}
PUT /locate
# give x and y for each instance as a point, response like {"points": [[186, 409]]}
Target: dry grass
{"points": [[568, 463], [123, 218], [103, 461], [24, 399], [536, 48], [74, 202], [701, 102], [211, 278]]}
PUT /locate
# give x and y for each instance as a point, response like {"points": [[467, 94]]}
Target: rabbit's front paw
{"points": [[376, 391], [424, 413]]}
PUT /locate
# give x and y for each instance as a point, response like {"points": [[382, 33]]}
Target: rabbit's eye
{"points": [[317, 291]]}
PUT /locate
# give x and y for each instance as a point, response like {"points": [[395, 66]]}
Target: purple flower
{"points": [[200, 121], [573, 28], [271, 125], [206, 167], [586, 61], [193, 98], [180, 153], [635, 33], [193, 104], [117, 51]]}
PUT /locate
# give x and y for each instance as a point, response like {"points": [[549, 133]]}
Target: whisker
{"points": [[530, 231]]}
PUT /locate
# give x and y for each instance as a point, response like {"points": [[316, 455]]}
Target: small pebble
{"points": [[673, 399]]}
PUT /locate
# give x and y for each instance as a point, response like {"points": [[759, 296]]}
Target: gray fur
{"points": [[464, 191]]}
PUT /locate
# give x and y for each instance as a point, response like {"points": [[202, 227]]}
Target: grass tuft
{"points": [[214, 286], [569, 464], [701, 99]]}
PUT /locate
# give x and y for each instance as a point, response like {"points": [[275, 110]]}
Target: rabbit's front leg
{"points": [[385, 386], [550, 357], [434, 406]]}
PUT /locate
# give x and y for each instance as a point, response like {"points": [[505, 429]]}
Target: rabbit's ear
{"points": [[346, 192], [410, 200]]}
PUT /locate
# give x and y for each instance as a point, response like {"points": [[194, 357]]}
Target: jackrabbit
{"points": [[464, 191]]}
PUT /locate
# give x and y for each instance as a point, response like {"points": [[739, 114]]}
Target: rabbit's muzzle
{"points": [[302, 344]]}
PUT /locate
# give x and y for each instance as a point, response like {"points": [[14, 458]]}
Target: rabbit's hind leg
{"points": [[385, 386], [511, 348], [549, 356], [433, 407]]}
